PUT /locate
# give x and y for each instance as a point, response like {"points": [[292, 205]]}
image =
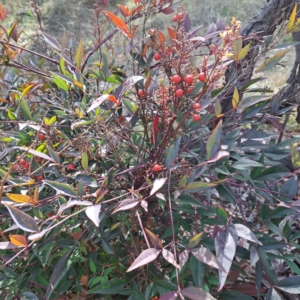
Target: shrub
{"points": [[116, 184]]}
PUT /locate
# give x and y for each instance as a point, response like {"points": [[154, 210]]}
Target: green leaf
{"points": [[60, 83], [196, 293], [272, 173], [85, 160], [246, 164], [172, 153], [53, 154], [290, 285], [295, 157], [62, 188], [198, 186], [237, 47], [244, 52], [109, 287], [25, 109], [198, 270], [214, 141], [79, 54], [271, 62], [24, 221], [218, 108], [60, 270], [235, 98], [267, 265]]}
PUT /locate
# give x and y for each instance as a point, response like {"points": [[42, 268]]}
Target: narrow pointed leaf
{"points": [[169, 296], [244, 52], [271, 62], [97, 102], [62, 188], [290, 285], [206, 256], [79, 54], [214, 141], [157, 185], [196, 293], [119, 23], [144, 258], [172, 153], [155, 240], [245, 233], [23, 221], [60, 270], [51, 40], [292, 19], [126, 204], [85, 160], [109, 287], [18, 240], [198, 186], [235, 98], [183, 258], [7, 246], [225, 245], [295, 157], [21, 198], [195, 240], [169, 257], [92, 213]]}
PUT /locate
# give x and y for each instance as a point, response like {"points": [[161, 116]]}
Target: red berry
{"points": [[175, 18], [57, 132], [23, 162], [41, 136], [71, 167], [179, 93], [201, 77], [137, 1], [196, 118], [157, 168], [140, 93], [180, 16], [197, 106], [176, 78], [189, 78], [157, 56], [39, 178]]}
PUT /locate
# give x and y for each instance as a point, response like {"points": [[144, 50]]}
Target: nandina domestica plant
{"points": [[128, 173]]}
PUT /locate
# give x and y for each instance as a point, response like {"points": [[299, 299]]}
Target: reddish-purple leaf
{"points": [[183, 258], [247, 289], [168, 10], [169, 257], [244, 232], [196, 293], [144, 258], [187, 23], [204, 255], [225, 244], [169, 296]]}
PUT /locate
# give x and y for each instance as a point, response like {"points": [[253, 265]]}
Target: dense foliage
{"points": [[123, 178]]}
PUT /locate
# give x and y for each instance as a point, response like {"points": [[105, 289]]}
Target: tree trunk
{"points": [[262, 24]]}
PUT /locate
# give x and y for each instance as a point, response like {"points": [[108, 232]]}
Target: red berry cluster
{"points": [[197, 117], [178, 17], [22, 165]]}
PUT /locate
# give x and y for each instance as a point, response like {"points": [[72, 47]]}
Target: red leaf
{"points": [[169, 296], [119, 23], [168, 10], [155, 123], [247, 289], [172, 33], [124, 10], [196, 293], [144, 258]]}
